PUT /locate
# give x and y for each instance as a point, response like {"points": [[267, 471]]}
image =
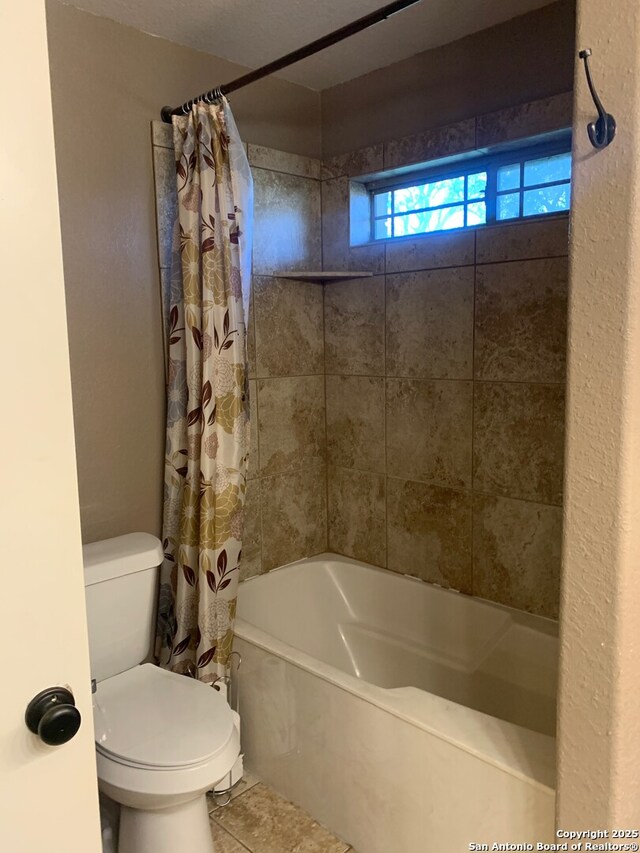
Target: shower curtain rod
{"points": [[284, 61]]}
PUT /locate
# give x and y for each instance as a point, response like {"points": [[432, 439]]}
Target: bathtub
{"points": [[404, 717]]}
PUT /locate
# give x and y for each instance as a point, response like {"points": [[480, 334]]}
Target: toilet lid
{"points": [[149, 717]]}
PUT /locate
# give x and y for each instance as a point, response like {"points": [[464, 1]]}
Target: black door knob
{"points": [[53, 716]]}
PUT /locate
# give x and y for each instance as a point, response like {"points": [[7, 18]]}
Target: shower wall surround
{"points": [[286, 509], [415, 419], [445, 384]]}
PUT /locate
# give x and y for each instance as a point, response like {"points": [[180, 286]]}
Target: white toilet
{"points": [[162, 740]]}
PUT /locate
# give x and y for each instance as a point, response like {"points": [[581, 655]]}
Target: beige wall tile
{"points": [[521, 321], [289, 317], [354, 326], [429, 533], [419, 334], [164, 169], [519, 440], [286, 223], [355, 422], [251, 563], [530, 119], [360, 162], [357, 515], [337, 253], [367, 258], [430, 252], [291, 423], [429, 431], [335, 223], [434, 143], [253, 466], [294, 516], [544, 238], [516, 553], [283, 161], [162, 134], [430, 324]]}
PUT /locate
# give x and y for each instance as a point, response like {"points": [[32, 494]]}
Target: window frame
{"points": [[463, 167]]}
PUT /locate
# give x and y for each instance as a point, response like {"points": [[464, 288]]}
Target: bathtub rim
{"points": [[528, 755]]}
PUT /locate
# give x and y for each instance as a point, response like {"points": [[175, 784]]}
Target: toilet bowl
{"points": [[162, 740]]}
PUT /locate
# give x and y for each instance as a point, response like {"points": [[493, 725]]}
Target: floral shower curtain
{"points": [[207, 392]]}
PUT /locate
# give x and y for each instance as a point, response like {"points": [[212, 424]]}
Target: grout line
{"points": [[472, 492], [523, 260], [317, 180], [228, 831], [288, 376], [385, 429], [473, 405], [284, 172], [311, 466], [258, 464], [324, 371], [326, 454], [358, 470], [440, 485], [442, 379]]}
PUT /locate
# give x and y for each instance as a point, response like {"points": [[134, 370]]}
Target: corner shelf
{"points": [[320, 275]]}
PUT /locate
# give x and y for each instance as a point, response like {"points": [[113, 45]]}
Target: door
{"points": [[48, 794]]}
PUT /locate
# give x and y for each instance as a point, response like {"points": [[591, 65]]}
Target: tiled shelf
{"points": [[321, 275]]}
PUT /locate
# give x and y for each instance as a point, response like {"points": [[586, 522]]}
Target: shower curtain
{"points": [[207, 394]]}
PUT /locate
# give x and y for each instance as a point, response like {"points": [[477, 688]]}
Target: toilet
{"points": [[162, 740]]}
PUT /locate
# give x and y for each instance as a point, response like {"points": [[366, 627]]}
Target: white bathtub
{"points": [[403, 717]]}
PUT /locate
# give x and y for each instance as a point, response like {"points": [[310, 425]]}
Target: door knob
{"points": [[53, 716]]}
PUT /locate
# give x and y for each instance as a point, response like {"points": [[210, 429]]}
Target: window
{"points": [[480, 191]]}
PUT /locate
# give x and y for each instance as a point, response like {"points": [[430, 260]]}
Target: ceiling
{"points": [[254, 32]]}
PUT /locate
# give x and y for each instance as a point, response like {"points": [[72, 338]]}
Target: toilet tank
{"points": [[121, 580]]}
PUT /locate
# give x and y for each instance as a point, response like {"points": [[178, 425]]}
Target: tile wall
{"points": [[445, 384], [414, 419]]}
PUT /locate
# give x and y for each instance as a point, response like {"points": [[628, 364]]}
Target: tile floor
{"points": [[257, 820]]}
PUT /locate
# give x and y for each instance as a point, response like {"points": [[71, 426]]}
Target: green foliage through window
{"points": [[484, 190]]}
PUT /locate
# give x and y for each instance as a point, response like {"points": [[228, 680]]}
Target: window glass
{"points": [[509, 177], [382, 204], [493, 189], [547, 169], [383, 229], [477, 213], [546, 200], [433, 220], [508, 206], [476, 185], [429, 195]]}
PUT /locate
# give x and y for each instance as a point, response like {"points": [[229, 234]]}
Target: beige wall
{"points": [[599, 713], [525, 59], [108, 83], [445, 385]]}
